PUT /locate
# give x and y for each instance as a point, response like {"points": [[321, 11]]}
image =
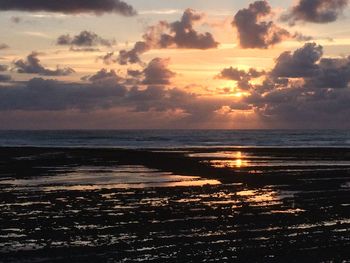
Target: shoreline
{"points": [[21, 162], [176, 148]]}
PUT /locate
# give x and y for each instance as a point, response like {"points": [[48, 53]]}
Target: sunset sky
{"points": [[144, 64]]}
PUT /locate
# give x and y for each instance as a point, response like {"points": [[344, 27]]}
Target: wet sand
{"points": [[183, 205]]}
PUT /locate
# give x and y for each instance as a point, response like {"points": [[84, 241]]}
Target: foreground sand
{"points": [[295, 213]]}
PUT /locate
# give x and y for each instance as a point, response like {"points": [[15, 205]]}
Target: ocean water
{"points": [[177, 138]]}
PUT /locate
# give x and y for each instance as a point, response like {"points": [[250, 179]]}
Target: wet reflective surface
{"points": [[241, 160], [96, 178], [128, 213]]}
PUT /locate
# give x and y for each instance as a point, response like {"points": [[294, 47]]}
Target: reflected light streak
{"points": [[240, 162]]}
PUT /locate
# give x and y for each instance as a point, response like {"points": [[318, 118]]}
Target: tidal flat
{"points": [[175, 205]]}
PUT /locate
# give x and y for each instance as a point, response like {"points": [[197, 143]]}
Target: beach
{"points": [[193, 204]]}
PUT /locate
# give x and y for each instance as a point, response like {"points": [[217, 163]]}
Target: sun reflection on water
{"points": [[237, 160]]}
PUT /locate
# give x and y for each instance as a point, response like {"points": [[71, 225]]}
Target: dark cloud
{"points": [[304, 88], [301, 107], [39, 95], [16, 19], [255, 33], [308, 64], [238, 75], [242, 77], [183, 35], [331, 73], [103, 90], [316, 11], [85, 49], [50, 95], [132, 56], [4, 46], [104, 77], [179, 34], [108, 59], [319, 97], [301, 37], [32, 65], [5, 78], [134, 73], [3, 68], [83, 39], [64, 40], [301, 63], [69, 6], [310, 69], [158, 98], [157, 72]]}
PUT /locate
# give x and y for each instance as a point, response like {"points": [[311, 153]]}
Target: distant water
{"points": [[177, 138]]}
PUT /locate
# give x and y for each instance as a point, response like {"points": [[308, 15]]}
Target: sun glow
{"points": [[240, 94], [240, 161]]}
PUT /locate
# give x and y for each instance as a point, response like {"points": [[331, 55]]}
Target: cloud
{"points": [[255, 33], [107, 59], [51, 95], [134, 73], [301, 107], [16, 19], [157, 72], [32, 65], [85, 49], [183, 35], [132, 56], [3, 68], [315, 71], [69, 6], [157, 98], [104, 77], [317, 98], [331, 74], [4, 46], [315, 11], [301, 37], [238, 75], [103, 90], [304, 88], [179, 34], [242, 77], [308, 68], [83, 39], [5, 78], [301, 63]]}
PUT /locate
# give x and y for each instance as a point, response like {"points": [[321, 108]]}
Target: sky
{"points": [[175, 64]]}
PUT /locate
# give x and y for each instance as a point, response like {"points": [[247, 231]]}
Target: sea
{"points": [[167, 139]]}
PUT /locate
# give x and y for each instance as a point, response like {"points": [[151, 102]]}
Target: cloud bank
{"points": [[304, 88], [69, 6]]}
